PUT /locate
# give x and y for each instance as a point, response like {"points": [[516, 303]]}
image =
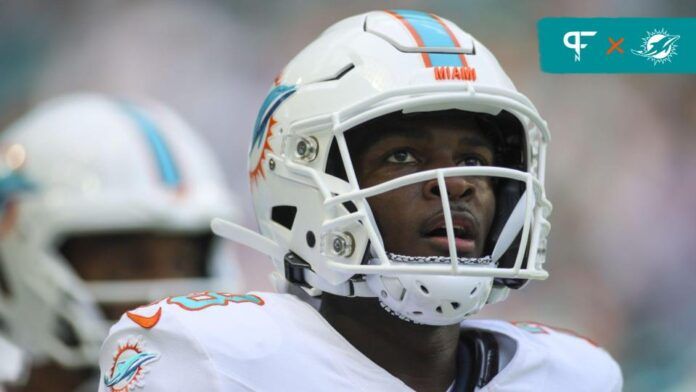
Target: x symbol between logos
{"points": [[615, 45]]}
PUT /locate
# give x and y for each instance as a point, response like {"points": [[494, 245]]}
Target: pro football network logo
{"points": [[573, 40], [658, 46], [129, 366]]}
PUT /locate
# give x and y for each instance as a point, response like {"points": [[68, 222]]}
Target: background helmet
{"points": [[13, 365], [87, 164], [318, 225]]}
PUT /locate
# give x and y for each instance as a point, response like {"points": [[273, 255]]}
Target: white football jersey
{"points": [[215, 341]]}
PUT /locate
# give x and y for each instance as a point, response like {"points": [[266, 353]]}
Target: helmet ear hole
{"points": [[284, 215]]}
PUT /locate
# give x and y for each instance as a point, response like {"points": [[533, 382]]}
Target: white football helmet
{"points": [[87, 164], [318, 227], [13, 367]]}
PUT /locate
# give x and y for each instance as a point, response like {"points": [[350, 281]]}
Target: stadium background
{"points": [[621, 170]]}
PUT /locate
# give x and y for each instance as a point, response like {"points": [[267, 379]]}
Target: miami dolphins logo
{"points": [[129, 365], [658, 46], [263, 128]]}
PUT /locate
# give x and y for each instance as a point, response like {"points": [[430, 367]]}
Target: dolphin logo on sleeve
{"points": [[127, 368], [130, 363]]}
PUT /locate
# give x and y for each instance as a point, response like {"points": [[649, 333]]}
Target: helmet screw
{"points": [[338, 245], [343, 244], [302, 148], [271, 164], [307, 148]]}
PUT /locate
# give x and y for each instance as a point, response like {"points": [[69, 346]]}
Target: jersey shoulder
{"points": [[555, 358], [215, 341], [193, 341]]}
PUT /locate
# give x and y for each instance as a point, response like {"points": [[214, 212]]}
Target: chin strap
{"points": [[354, 287], [297, 270]]}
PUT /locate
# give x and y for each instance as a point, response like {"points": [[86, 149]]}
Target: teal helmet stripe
{"points": [[12, 184], [433, 35], [165, 161], [275, 97]]}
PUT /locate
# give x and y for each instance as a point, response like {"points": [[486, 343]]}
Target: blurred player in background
{"points": [[13, 364], [397, 173], [105, 205]]}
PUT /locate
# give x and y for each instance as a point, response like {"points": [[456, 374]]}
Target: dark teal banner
{"points": [[617, 45]]}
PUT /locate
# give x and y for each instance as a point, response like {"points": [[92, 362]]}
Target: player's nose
{"points": [[457, 188]]}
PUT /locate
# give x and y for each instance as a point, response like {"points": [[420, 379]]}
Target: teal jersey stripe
{"points": [[165, 162], [433, 34]]}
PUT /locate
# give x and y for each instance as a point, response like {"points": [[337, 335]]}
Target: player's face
{"points": [[411, 218], [133, 256]]}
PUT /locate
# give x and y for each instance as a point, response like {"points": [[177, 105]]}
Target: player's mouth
{"points": [[465, 233]]}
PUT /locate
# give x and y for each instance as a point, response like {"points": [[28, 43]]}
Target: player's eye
{"points": [[401, 156], [472, 161]]}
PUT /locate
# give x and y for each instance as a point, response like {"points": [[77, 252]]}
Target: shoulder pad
{"points": [[553, 357], [175, 343]]}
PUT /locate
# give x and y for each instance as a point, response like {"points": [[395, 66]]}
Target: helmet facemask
{"points": [[453, 223], [124, 270], [334, 240]]}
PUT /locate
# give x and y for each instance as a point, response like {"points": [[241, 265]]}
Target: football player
{"points": [[13, 365], [106, 204], [398, 174]]}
